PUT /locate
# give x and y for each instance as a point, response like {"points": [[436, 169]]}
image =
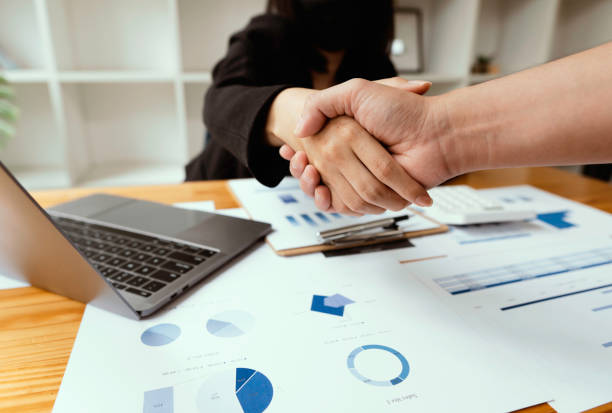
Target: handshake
{"points": [[372, 146], [363, 147]]}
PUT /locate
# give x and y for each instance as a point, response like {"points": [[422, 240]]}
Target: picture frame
{"points": [[407, 46]]}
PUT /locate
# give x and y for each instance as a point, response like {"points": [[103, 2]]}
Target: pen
{"points": [[349, 230]]}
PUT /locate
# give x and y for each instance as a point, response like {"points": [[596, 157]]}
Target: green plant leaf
{"points": [[6, 92], [8, 111]]}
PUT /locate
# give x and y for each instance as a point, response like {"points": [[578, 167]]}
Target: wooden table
{"points": [[38, 329]]}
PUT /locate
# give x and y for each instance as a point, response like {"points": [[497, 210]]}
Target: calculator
{"points": [[463, 205]]}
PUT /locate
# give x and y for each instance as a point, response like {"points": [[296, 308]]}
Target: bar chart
{"points": [[497, 276]]}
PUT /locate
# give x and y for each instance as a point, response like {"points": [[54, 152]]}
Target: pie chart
{"points": [[240, 390], [160, 335], [229, 324]]}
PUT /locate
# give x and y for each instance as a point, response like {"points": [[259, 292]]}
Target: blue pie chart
{"points": [[240, 390], [160, 335], [229, 324]]}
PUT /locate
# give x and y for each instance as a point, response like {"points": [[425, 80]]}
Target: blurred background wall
{"points": [[111, 92]]}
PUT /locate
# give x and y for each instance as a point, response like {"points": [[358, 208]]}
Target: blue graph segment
{"points": [[322, 216], [253, 390], [350, 363], [336, 215], [308, 220], [501, 237], [318, 305], [292, 220], [242, 376], [608, 344], [160, 335], [556, 219], [288, 199], [159, 401], [497, 276]]}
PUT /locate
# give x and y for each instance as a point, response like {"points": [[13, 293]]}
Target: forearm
{"points": [[554, 114], [283, 117]]}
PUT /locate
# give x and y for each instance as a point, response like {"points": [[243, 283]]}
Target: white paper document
{"points": [[300, 334], [295, 218], [206, 206], [209, 206], [543, 288]]}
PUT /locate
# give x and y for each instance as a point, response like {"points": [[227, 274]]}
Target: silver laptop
{"points": [[124, 255]]}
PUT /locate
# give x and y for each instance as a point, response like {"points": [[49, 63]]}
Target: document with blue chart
{"points": [[300, 335], [542, 287], [296, 219]]}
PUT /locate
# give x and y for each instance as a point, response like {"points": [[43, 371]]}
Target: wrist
{"points": [[283, 117], [465, 140]]}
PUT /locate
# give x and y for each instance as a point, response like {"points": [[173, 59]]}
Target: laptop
{"points": [[124, 255]]}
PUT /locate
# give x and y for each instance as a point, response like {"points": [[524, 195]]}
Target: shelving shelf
{"points": [[27, 76], [111, 93], [91, 76]]}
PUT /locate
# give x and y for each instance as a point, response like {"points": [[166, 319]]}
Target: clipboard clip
{"points": [[354, 233]]}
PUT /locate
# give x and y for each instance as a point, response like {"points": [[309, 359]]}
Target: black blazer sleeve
{"points": [[261, 62]]}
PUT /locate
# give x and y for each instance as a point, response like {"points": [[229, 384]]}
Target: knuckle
{"points": [[399, 205], [331, 151], [356, 204], [371, 193], [384, 169], [357, 83]]}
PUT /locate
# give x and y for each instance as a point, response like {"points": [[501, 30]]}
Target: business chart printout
{"points": [[295, 219], [297, 334], [542, 287]]}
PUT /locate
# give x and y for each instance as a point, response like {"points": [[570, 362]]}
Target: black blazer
{"points": [[268, 56]]}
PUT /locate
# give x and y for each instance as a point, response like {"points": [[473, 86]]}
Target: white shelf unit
{"points": [[111, 93]]}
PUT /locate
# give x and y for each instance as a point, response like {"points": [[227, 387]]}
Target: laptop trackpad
{"points": [[153, 218]]}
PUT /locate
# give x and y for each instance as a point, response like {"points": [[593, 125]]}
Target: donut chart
{"points": [[350, 363]]}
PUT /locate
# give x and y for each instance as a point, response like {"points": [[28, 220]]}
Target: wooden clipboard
{"points": [[329, 247]]}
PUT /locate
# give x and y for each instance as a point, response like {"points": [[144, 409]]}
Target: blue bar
{"points": [[288, 199], [495, 238], [608, 344], [292, 220], [322, 216], [336, 215], [308, 220], [464, 278]]}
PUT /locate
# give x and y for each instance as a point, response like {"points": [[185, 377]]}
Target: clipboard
{"points": [[296, 220], [330, 247]]}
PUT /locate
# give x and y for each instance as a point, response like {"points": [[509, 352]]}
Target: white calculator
{"points": [[463, 205]]}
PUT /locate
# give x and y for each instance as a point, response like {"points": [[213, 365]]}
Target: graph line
{"points": [[511, 307]]}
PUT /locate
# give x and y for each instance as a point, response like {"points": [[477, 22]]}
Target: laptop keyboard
{"points": [[135, 263]]}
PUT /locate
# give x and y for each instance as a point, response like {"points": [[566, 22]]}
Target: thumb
{"points": [[341, 100], [327, 104], [415, 86]]}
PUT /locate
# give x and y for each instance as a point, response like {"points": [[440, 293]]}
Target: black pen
{"points": [[338, 233]]}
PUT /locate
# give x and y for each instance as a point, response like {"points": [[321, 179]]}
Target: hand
{"points": [[411, 126], [359, 170]]}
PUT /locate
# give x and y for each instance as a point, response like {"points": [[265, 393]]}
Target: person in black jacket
{"points": [[260, 86]]}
